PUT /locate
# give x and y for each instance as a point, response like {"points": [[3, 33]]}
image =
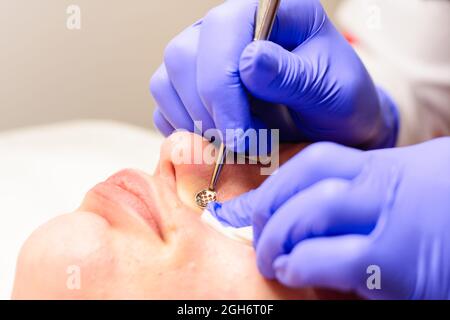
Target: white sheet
{"points": [[45, 171]]}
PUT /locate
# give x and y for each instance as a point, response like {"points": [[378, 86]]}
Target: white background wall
{"points": [[48, 73]]}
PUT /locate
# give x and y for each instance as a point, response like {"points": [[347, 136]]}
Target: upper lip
{"points": [[132, 190]]}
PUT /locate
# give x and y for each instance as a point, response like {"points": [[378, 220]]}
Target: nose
{"points": [[189, 159], [184, 158]]}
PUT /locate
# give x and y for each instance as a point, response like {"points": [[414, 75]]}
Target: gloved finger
{"points": [[297, 21], [225, 32], [162, 124], [170, 104], [333, 263], [328, 208], [315, 163], [237, 212], [276, 75], [180, 59]]}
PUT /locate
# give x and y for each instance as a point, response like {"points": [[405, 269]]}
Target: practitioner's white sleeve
{"points": [[405, 45]]}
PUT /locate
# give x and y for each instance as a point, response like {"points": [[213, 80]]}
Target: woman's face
{"points": [[138, 236]]}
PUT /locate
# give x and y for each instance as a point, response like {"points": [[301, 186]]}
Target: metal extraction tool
{"points": [[265, 19], [206, 196]]}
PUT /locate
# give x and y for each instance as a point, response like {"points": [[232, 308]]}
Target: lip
{"points": [[134, 194]]}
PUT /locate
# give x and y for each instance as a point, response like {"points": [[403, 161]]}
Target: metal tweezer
{"points": [[265, 19]]}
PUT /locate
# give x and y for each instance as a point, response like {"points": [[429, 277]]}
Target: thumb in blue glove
{"points": [[348, 213]]}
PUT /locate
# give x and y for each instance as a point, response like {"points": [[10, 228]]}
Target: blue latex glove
{"points": [[331, 212], [210, 68]]}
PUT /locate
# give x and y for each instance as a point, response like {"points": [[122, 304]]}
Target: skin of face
{"points": [[137, 236]]}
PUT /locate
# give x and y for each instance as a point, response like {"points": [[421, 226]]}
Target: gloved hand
{"points": [[210, 68], [332, 213]]}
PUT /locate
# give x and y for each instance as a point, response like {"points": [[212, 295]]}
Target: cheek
{"points": [[237, 179]]}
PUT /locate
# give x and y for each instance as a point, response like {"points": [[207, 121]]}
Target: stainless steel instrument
{"points": [[265, 19]]}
